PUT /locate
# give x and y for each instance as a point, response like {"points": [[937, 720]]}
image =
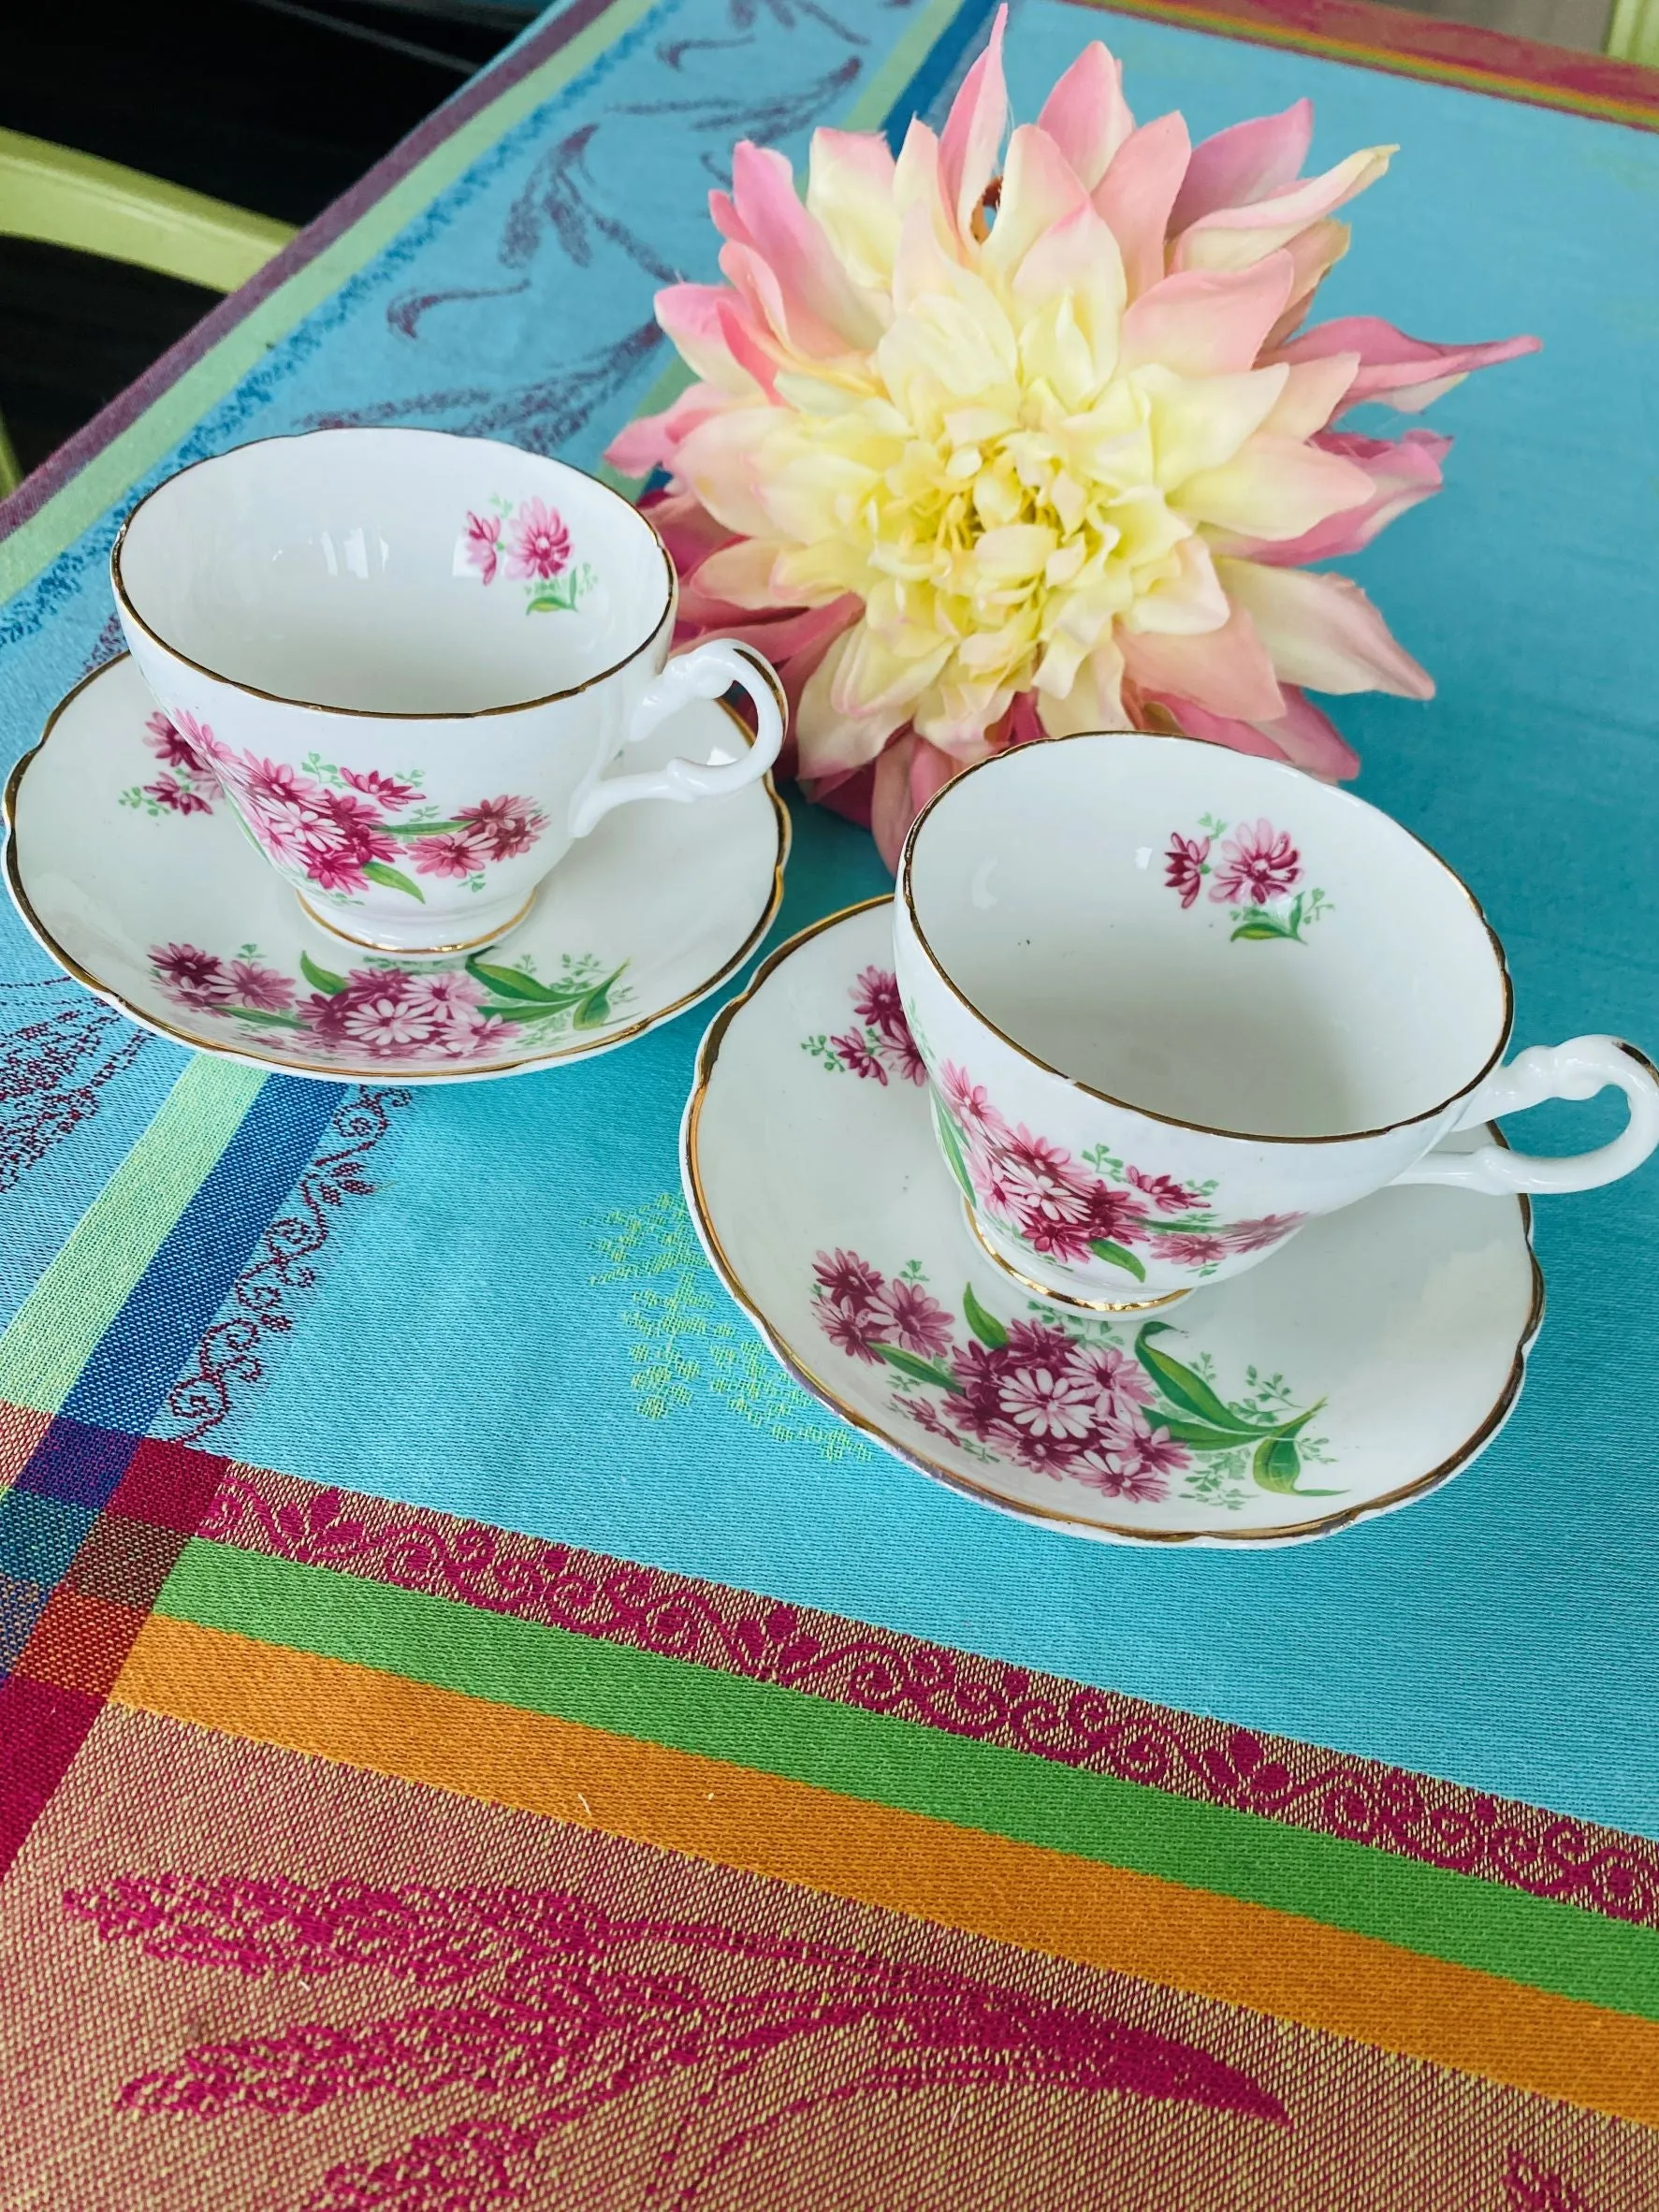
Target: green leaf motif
{"points": [[952, 1146], [1257, 928], [986, 1326], [320, 979], [1197, 1435], [393, 879], [423, 829], [595, 1008], [1116, 1256], [922, 1371], [1277, 1465], [1184, 1388], [512, 983], [265, 1019]]}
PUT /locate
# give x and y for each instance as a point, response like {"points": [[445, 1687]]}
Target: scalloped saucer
{"points": [[1374, 1356], [136, 878]]}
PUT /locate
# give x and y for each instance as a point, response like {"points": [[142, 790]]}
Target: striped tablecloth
{"points": [[474, 1731]]}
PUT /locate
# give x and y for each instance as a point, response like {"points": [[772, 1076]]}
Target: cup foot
{"points": [[401, 945], [1046, 1290]]}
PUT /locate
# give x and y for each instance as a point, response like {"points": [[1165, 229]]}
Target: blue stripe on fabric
{"points": [[938, 66], [77, 1464], [142, 1351]]}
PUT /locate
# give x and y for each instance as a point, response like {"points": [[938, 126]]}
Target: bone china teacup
{"points": [[410, 658], [1175, 1002]]}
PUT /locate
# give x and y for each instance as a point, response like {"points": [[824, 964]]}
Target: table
{"points": [[474, 1731]]}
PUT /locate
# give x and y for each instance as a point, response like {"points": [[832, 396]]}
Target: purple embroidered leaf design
{"points": [[54, 1069], [542, 1997]]}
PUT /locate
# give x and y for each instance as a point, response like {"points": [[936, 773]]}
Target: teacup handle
{"points": [[1577, 1069], [709, 671]]}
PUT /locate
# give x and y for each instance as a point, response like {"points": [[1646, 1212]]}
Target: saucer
{"points": [[1374, 1356], [128, 866]]}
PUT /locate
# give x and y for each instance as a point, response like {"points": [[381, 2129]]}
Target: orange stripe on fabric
{"points": [[1016, 1893]]}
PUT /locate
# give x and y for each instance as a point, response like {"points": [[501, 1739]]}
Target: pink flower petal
{"points": [[695, 317], [1402, 474], [1409, 373], [685, 526], [827, 313], [1314, 390], [1323, 630], [1208, 322], [1230, 238], [1250, 162], [1239, 736], [833, 741], [1227, 670], [1086, 115], [1038, 193], [716, 460], [1276, 489], [1136, 192], [1309, 739], [1315, 252], [969, 143], [654, 441]]}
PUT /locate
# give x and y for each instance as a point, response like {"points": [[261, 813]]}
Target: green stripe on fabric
{"points": [[54, 1331], [913, 1769], [109, 474]]}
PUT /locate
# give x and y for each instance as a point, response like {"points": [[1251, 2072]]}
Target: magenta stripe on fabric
{"points": [[1331, 1794], [336, 219]]}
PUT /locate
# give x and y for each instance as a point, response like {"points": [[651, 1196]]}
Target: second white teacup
{"points": [[408, 659], [1175, 1002]]}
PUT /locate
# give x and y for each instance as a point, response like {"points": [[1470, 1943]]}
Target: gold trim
{"points": [[1173, 1121], [379, 1070], [468, 944], [708, 1053], [375, 714], [1091, 1306]]}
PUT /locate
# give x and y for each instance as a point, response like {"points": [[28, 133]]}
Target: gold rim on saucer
{"points": [[708, 1054]]}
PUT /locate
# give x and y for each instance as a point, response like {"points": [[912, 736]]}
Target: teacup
{"points": [[1175, 1002], [409, 658]]}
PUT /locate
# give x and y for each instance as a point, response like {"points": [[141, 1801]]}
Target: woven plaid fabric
{"points": [[473, 1730]]}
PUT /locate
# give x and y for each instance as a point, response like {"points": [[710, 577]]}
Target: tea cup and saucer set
{"points": [[402, 666], [1132, 1168]]}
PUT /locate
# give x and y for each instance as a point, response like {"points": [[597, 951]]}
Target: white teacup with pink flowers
{"points": [[1175, 1002], [408, 659]]}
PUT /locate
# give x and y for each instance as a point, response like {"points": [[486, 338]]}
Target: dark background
{"points": [[277, 105], [269, 104]]}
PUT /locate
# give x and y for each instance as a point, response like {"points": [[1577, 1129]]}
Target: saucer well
{"points": [[1374, 1356], [127, 863]]}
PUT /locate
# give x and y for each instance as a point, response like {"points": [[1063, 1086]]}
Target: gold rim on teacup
{"points": [[379, 1070], [1175, 1121], [664, 615], [708, 1057]]}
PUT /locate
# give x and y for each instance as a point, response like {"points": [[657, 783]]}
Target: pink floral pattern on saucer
{"points": [[1040, 1196], [342, 828], [530, 544], [1253, 873], [187, 784], [1063, 1395], [383, 1011]]}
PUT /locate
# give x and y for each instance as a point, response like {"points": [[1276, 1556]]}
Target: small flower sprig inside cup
{"points": [[408, 660], [1148, 1069]]}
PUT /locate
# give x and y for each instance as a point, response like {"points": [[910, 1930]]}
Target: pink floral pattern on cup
{"points": [[187, 784], [383, 1011], [1064, 1396], [1252, 872], [1060, 1208], [343, 829], [530, 544]]}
